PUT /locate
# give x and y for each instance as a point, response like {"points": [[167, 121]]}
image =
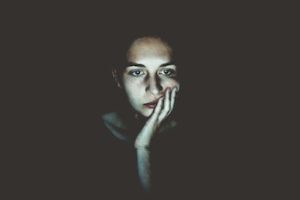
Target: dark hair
{"points": [[118, 60], [121, 45]]}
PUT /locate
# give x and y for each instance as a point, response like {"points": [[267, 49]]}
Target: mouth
{"points": [[151, 104]]}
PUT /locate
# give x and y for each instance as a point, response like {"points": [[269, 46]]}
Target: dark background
{"points": [[228, 99]]}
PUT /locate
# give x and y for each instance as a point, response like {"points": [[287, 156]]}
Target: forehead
{"points": [[149, 47]]}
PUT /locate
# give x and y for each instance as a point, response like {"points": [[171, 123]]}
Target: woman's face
{"points": [[148, 74]]}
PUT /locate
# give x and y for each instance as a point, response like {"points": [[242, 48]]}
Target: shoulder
{"points": [[114, 123], [106, 117]]}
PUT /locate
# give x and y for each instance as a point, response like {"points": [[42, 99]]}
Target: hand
{"points": [[162, 110]]}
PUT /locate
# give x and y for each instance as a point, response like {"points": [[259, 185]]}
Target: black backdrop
{"points": [[227, 74]]}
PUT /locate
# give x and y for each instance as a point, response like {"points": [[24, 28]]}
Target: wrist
{"points": [[139, 144]]}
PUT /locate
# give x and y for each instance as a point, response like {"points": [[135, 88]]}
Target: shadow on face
{"points": [[148, 73]]}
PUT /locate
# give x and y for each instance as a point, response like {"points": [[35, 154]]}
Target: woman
{"points": [[149, 82]]}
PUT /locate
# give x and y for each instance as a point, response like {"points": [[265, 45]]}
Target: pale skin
{"points": [[149, 77], [146, 134]]}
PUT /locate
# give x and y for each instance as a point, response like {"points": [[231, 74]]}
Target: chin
{"points": [[143, 112], [146, 113]]}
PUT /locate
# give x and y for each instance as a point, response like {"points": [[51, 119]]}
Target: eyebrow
{"points": [[133, 64]]}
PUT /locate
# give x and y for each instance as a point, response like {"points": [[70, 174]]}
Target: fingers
{"points": [[166, 107], [169, 103], [157, 109], [173, 95]]}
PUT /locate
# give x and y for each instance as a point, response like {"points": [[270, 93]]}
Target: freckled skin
{"points": [[152, 53]]}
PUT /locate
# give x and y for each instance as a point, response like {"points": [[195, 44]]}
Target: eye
{"points": [[136, 72], [168, 72]]}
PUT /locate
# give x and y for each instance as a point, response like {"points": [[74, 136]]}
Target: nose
{"points": [[154, 85]]}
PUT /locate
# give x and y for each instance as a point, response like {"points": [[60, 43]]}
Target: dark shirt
{"points": [[117, 163]]}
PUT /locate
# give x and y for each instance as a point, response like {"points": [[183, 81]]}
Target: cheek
{"points": [[132, 88], [171, 84]]}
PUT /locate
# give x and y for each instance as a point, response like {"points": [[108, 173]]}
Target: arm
{"points": [[162, 111], [143, 164]]}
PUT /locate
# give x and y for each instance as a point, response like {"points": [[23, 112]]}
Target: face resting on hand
{"points": [[149, 72]]}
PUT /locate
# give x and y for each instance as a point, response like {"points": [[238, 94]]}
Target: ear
{"points": [[115, 76]]}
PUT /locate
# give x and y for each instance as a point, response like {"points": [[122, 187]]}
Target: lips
{"points": [[151, 104]]}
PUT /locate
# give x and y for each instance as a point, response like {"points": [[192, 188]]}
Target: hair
{"points": [[118, 52], [122, 44]]}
